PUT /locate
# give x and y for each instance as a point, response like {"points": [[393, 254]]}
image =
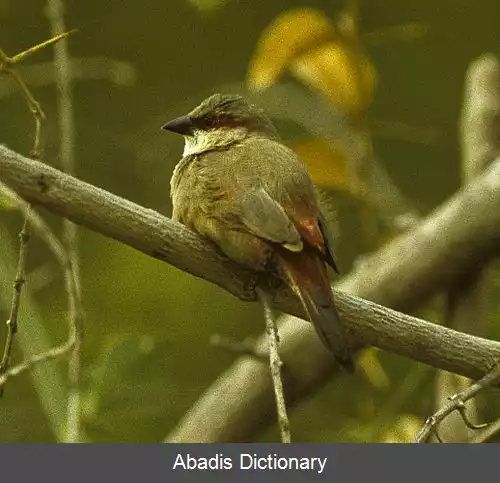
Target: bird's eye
{"points": [[211, 121], [205, 122]]}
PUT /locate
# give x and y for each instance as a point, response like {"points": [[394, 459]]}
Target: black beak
{"points": [[180, 125]]}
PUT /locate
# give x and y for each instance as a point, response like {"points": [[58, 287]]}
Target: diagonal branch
{"points": [[463, 233], [412, 267]]}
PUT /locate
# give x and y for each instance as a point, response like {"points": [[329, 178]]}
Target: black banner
{"points": [[343, 463]]}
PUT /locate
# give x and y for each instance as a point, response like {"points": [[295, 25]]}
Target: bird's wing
{"points": [[267, 219]]}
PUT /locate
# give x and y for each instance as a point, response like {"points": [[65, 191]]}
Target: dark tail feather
{"points": [[329, 327], [306, 275]]}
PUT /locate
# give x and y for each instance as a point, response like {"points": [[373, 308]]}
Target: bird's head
{"points": [[219, 121]]}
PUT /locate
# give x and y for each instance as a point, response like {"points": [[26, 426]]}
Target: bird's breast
{"points": [[198, 193]]}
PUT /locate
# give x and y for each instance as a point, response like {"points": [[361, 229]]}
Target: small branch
{"points": [[275, 366], [35, 109], [16, 299], [20, 276], [28, 364], [457, 403], [18, 58], [7, 67], [485, 435], [45, 233], [55, 13]]}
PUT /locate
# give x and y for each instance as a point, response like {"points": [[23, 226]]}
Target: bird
{"points": [[241, 187]]}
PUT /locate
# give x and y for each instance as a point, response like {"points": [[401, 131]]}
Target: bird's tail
{"points": [[306, 275]]}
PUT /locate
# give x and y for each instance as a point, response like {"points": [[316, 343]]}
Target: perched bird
{"points": [[241, 187]]}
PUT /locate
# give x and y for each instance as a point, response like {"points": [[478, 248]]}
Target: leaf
{"points": [[293, 32], [325, 56], [327, 165], [342, 75]]}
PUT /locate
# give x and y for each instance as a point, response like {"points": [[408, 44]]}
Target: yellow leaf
{"points": [[327, 164], [345, 77], [320, 54], [292, 33]]}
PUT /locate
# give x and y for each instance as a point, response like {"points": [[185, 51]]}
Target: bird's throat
{"points": [[207, 140]]}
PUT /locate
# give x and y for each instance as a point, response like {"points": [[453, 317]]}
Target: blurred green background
{"points": [[146, 353]]}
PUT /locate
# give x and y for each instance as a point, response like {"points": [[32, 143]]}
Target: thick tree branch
{"points": [[463, 233]]}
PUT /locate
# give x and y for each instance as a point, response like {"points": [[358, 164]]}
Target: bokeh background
{"points": [[146, 354]]}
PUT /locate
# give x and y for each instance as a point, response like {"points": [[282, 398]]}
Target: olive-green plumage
{"points": [[238, 185]]}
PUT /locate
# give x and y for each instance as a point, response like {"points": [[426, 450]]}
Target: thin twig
{"points": [[16, 59], [275, 365], [55, 246], [28, 364], [485, 435], [457, 403], [16, 299], [7, 67], [55, 13]]}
